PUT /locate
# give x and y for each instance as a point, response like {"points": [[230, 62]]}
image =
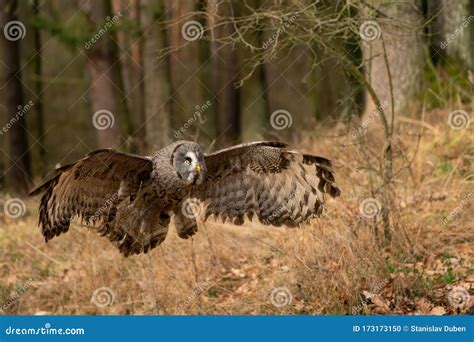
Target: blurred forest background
{"points": [[383, 88], [155, 64]]}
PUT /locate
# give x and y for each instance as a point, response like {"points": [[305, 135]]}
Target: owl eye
{"points": [[187, 161]]}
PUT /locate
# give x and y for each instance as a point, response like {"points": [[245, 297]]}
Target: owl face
{"points": [[188, 160]]}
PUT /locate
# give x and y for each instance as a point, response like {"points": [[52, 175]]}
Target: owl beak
{"points": [[197, 176], [197, 168]]}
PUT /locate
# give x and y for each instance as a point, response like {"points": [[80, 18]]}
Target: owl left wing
{"points": [[266, 180], [108, 189]]}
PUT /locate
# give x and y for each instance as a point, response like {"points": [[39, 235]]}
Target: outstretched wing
{"points": [[266, 180], [109, 188]]}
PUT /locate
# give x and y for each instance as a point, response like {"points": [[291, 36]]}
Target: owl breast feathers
{"points": [[131, 199]]}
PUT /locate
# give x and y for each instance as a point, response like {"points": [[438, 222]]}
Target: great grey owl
{"points": [[132, 198]]}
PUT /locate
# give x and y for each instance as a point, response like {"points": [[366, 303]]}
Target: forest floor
{"points": [[335, 265]]}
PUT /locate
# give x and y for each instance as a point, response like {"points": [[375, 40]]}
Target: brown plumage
{"points": [[131, 198]]}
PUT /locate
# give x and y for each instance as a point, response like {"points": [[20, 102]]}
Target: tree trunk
{"points": [[263, 84], [131, 74], [156, 80], [399, 26], [137, 91], [38, 89], [18, 173], [100, 66], [184, 64], [225, 72], [450, 30]]}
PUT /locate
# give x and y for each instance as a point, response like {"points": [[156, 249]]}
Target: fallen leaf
{"points": [[380, 303], [424, 306], [438, 311]]}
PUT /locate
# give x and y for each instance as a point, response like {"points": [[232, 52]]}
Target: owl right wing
{"points": [[110, 189], [267, 181]]}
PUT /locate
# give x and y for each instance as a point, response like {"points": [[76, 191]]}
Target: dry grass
{"points": [[326, 266]]}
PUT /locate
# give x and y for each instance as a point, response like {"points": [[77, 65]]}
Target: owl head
{"points": [[188, 160]]}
